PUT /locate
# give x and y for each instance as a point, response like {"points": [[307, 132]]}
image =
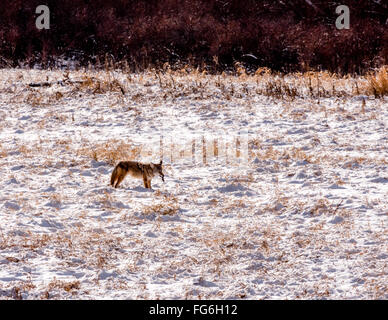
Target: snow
{"points": [[289, 201]]}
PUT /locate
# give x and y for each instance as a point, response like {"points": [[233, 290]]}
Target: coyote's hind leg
{"points": [[119, 180]]}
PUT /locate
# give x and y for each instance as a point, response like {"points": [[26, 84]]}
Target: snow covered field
{"points": [[275, 189]]}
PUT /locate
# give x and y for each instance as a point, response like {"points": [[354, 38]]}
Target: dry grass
{"points": [[190, 82], [280, 89], [378, 82], [106, 200], [167, 206], [111, 151], [68, 286], [321, 206], [268, 152], [100, 86], [315, 85], [3, 152], [35, 99], [243, 85]]}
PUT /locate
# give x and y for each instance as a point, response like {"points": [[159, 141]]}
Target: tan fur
{"points": [[145, 171]]}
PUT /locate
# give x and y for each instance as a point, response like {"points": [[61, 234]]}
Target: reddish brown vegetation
{"points": [[281, 35]]}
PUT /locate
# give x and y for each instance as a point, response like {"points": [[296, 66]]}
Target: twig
{"points": [[338, 206]]}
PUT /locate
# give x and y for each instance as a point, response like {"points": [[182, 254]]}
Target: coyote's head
{"points": [[157, 168]]}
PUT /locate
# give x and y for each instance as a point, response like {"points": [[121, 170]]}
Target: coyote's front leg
{"points": [[147, 184]]}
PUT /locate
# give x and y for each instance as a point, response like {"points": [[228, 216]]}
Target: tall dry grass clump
{"points": [[378, 82]]}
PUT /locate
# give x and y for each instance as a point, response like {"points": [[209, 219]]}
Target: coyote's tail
{"points": [[113, 176]]}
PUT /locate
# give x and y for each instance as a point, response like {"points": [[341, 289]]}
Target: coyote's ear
{"points": [[160, 162]]}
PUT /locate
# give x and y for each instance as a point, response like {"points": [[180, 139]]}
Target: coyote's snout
{"points": [[145, 171]]}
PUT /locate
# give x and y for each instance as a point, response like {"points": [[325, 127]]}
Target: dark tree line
{"points": [[292, 35]]}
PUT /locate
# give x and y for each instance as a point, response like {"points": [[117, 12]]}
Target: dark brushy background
{"points": [[288, 35]]}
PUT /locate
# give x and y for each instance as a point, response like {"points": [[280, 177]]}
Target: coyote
{"points": [[137, 170]]}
